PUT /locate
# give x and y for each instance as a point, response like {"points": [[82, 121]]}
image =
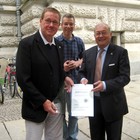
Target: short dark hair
{"points": [[50, 9], [68, 15]]}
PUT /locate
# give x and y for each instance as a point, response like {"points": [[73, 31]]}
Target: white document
{"points": [[82, 100]]}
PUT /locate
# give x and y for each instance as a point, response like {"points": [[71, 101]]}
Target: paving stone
{"points": [[3, 133], [131, 128], [10, 110], [12, 125], [16, 129]]}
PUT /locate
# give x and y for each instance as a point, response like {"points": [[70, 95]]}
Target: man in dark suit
{"points": [[40, 75], [109, 97]]}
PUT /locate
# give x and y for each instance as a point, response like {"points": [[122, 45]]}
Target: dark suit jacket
{"points": [[35, 76], [115, 73]]}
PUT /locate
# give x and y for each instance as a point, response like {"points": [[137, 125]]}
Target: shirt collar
{"points": [[63, 38], [104, 48], [44, 40]]}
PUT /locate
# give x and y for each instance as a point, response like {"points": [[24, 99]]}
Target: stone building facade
{"points": [[123, 16]]}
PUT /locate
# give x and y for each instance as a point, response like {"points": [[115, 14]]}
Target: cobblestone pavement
{"points": [[11, 109], [10, 117]]}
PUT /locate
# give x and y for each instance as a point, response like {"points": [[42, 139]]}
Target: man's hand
{"points": [[50, 107], [84, 81], [98, 86], [68, 84], [72, 64], [66, 66]]}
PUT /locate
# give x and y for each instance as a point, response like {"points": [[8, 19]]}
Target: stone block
{"points": [[103, 14], [30, 26], [129, 26], [83, 10], [31, 13], [133, 15], [7, 2], [7, 19], [112, 18], [129, 128], [3, 133], [8, 41], [120, 14], [89, 24], [79, 23], [135, 67], [15, 130], [87, 36], [63, 7], [8, 51], [8, 31], [130, 37]]}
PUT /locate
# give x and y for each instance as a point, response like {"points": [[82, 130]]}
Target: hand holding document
{"points": [[82, 100]]}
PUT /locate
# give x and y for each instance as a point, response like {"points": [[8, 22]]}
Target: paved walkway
{"points": [[12, 125]]}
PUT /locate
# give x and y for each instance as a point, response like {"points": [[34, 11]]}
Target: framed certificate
{"points": [[82, 100]]}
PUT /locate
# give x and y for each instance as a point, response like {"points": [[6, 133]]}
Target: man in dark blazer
{"points": [[109, 97], [40, 75]]}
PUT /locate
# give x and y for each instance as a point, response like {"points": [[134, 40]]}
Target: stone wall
{"points": [[123, 18], [8, 38]]}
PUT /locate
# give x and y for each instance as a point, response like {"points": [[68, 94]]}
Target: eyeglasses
{"points": [[48, 21], [101, 33]]}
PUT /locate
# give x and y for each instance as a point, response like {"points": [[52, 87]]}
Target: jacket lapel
{"points": [[41, 46], [60, 51], [93, 55], [109, 56]]}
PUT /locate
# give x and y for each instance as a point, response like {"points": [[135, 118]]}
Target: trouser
{"points": [[51, 128], [71, 129], [98, 125]]}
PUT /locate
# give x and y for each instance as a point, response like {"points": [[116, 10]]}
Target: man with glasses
{"points": [[73, 51], [40, 74], [107, 67]]}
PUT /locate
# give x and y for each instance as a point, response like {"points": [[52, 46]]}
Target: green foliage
{"points": [[2, 81]]}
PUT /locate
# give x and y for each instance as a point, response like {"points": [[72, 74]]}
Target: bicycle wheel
{"points": [[19, 91], [12, 85], [1, 95], [6, 80]]}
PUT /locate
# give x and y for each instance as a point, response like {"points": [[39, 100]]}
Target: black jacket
{"points": [[115, 73], [35, 76]]}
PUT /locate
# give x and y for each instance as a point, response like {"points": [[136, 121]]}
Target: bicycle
{"points": [[10, 81], [15, 90], [1, 93], [9, 76]]}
